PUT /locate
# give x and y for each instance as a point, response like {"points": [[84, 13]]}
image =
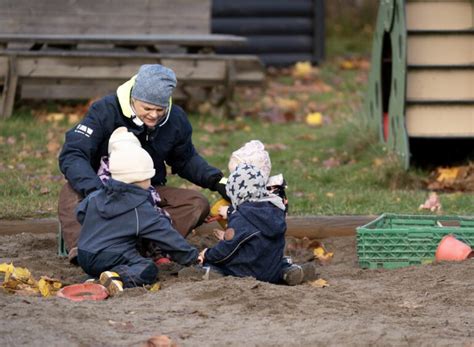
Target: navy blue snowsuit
{"points": [[257, 247], [113, 219]]}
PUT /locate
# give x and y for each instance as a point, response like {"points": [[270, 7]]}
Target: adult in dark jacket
{"points": [[143, 105], [120, 214]]}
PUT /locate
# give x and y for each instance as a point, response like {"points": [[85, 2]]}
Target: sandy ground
{"points": [[430, 305]]}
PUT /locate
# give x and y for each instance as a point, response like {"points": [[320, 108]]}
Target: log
{"points": [[312, 227]]}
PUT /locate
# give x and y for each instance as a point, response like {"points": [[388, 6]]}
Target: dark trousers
{"points": [[187, 208], [133, 269]]}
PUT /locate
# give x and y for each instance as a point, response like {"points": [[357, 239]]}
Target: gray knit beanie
{"points": [[154, 84]]}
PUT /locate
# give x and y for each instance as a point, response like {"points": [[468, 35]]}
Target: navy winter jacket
{"points": [[169, 143], [258, 244], [114, 217]]}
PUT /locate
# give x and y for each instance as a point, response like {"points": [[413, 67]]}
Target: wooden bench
{"points": [[97, 47]]}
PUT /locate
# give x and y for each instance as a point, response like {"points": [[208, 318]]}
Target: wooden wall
{"points": [[105, 16]]}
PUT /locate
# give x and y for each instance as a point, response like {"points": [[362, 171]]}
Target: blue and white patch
{"points": [[83, 130]]}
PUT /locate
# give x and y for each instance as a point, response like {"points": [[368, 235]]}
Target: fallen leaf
{"points": [[330, 194], [331, 163], [276, 147], [48, 286], [314, 119], [322, 254], [320, 283], [287, 105], [44, 191], [53, 147], [303, 70], [55, 117], [347, 65], [448, 174], [155, 287]]}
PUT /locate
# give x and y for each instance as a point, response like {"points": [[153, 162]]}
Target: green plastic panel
{"points": [[393, 241]]}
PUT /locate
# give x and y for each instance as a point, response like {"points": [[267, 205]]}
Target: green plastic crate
{"points": [[392, 241]]}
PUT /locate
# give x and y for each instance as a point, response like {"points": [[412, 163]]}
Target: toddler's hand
{"points": [[223, 211], [219, 234]]}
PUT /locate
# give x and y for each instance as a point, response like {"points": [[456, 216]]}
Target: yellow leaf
{"points": [[287, 105], [321, 254], [23, 274], [55, 117], [53, 283], [4, 267], [347, 65], [319, 251], [302, 69], [314, 119], [44, 287], [156, 287], [319, 283], [449, 174]]}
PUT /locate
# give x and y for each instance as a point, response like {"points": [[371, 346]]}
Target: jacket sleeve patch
{"points": [[83, 130]]}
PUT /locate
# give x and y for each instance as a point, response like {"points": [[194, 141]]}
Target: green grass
{"points": [[368, 180]]}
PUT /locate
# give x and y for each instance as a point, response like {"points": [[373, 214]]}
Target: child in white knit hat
{"points": [[118, 216]]}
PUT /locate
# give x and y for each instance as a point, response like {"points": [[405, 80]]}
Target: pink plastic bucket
{"points": [[451, 249]]}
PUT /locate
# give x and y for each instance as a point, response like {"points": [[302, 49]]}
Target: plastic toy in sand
{"points": [[452, 249], [83, 291]]}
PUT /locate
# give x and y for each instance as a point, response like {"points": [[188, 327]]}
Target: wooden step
{"points": [[440, 120], [430, 48], [439, 15], [440, 84]]}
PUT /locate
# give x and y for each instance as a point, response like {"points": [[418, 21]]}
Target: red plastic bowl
{"points": [[83, 291]]}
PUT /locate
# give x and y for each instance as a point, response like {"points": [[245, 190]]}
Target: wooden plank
{"points": [[439, 121], [435, 84], [47, 89], [105, 16], [439, 15], [199, 40], [312, 227], [434, 49], [194, 69], [101, 68]]}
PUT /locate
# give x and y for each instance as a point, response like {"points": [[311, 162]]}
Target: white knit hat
{"points": [[253, 153], [132, 164], [122, 138]]}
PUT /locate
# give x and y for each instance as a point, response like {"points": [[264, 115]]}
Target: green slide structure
{"points": [[421, 83]]}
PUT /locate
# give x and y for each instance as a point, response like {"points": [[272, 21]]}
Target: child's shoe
{"points": [[199, 272], [297, 274], [111, 281]]}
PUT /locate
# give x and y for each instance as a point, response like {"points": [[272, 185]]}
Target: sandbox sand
{"points": [[429, 305]]}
